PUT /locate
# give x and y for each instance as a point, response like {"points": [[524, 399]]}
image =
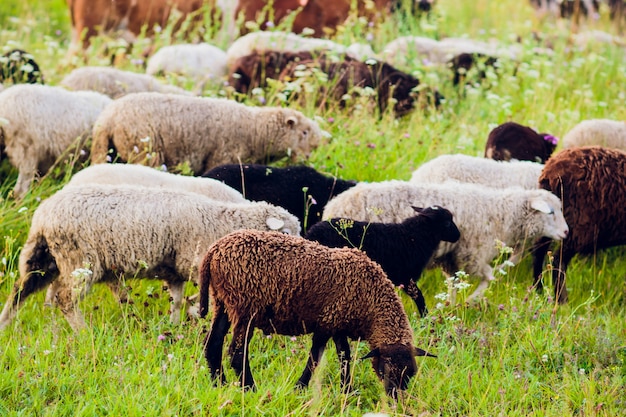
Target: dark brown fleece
{"points": [[591, 182], [511, 140], [344, 74]]}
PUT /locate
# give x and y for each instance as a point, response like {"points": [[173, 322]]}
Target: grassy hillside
{"points": [[514, 354]]}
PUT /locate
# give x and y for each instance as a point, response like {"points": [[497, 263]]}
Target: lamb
{"points": [[292, 286], [93, 233], [117, 174], [591, 182], [301, 190], [602, 132], [205, 132], [198, 61], [512, 140], [116, 83], [39, 124], [482, 214], [484, 171], [289, 42], [401, 249], [19, 66]]}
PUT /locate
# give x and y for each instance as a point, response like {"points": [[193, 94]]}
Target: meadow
{"points": [[515, 353]]}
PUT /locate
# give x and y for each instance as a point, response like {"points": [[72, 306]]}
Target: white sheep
{"points": [[400, 51], [205, 132], [118, 174], [198, 61], [93, 233], [116, 83], [601, 132], [39, 123], [465, 168], [483, 215], [286, 41]]}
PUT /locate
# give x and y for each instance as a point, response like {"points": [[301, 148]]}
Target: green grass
{"points": [[514, 354]]}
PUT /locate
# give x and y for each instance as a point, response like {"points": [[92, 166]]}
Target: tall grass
{"points": [[513, 354]]}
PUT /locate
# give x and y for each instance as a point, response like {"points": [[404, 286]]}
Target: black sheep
{"points": [[301, 190], [402, 249]]}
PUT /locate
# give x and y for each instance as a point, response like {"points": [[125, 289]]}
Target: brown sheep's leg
{"points": [[238, 350], [315, 355], [343, 353], [416, 294], [540, 249], [214, 342], [118, 290], [561, 260]]}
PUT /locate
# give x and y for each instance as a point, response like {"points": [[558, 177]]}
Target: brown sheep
{"points": [[343, 74], [512, 140], [292, 286], [591, 181]]}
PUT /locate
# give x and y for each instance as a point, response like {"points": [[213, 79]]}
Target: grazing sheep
{"points": [[402, 249], [115, 83], [484, 171], [93, 233], [482, 214], [289, 42], [389, 83], [130, 174], [39, 123], [512, 140], [205, 132], [601, 132], [289, 285], [591, 182], [19, 67], [252, 71], [199, 61], [119, 174], [439, 52], [301, 190], [343, 74]]}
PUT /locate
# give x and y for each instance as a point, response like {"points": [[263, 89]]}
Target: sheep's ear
{"points": [[418, 209], [292, 121], [541, 205], [373, 354], [422, 352], [274, 224]]}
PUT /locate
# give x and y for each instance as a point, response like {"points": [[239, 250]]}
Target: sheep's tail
{"points": [[38, 268], [204, 281]]}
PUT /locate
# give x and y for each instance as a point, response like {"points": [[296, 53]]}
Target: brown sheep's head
{"points": [[395, 365]]}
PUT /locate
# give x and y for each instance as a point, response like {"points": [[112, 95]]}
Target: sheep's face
{"points": [[549, 210], [394, 365], [302, 135], [442, 217]]}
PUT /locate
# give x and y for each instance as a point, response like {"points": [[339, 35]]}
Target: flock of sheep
{"points": [[286, 250]]}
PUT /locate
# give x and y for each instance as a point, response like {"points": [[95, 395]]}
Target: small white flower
{"points": [[581, 371], [544, 358], [22, 209], [442, 296], [145, 140]]}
